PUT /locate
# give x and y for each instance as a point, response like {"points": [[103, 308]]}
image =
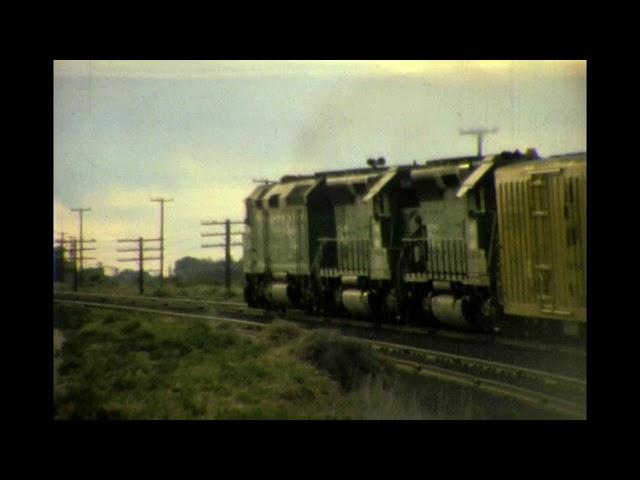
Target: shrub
{"points": [[229, 294], [130, 327], [200, 336], [68, 319], [114, 317], [160, 292], [281, 331], [346, 361]]}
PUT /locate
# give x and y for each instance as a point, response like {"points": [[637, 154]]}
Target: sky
{"points": [[200, 132]]}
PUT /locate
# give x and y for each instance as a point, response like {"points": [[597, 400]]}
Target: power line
{"points": [[226, 245], [74, 257], [140, 258], [82, 248]]}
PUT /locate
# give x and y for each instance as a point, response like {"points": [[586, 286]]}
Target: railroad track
{"points": [[533, 346], [559, 394]]}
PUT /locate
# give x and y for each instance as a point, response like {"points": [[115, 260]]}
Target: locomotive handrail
{"points": [[317, 258], [353, 254], [429, 239], [344, 239], [442, 258]]}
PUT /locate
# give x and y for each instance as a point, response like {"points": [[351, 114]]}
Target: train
{"points": [[468, 242]]}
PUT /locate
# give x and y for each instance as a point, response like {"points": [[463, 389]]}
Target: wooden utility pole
{"points": [[479, 133], [73, 242], [81, 249], [61, 255], [74, 258], [140, 257], [162, 200], [226, 245]]}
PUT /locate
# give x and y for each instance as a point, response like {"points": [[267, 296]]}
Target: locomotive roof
{"points": [[573, 156], [293, 191], [383, 169], [461, 167], [547, 162], [258, 192]]}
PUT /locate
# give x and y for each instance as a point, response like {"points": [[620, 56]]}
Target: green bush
{"points": [[114, 317], [228, 294], [70, 319], [130, 326], [346, 361], [212, 291], [280, 332]]}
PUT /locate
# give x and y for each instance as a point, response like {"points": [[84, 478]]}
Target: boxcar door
{"points": [[543, 221]]}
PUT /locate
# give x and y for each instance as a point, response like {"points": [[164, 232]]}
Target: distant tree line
{"points": [[187, 271], [190, 270]]}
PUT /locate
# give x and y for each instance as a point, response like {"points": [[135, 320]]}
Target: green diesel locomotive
{"points": [[460, 241]]}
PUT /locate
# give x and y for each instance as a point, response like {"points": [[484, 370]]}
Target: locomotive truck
{"points": [[466, 242]]}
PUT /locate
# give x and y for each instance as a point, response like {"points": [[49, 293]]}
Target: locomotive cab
{"points": [[450, 267]]}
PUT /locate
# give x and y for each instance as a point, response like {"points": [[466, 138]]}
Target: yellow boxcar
{"points": [[542, 235]]}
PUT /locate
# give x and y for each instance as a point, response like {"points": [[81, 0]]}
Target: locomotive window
{"points": [[479, 199], [360, 188], [435, 194], [296, 197], [273, 200], [428, 189], [340, 195], [451, 180]]}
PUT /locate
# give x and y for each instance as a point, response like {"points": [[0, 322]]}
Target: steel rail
{"points": [[423, 367], [239, 321], [525, 395], [456, 335], [153, 298], [477, 363]]}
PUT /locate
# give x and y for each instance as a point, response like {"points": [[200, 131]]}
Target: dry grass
{"points": [[141, 366], [145, 366]]}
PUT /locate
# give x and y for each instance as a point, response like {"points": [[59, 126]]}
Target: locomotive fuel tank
{"points": [[357, 302], [450, 310], [280, 294]]}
